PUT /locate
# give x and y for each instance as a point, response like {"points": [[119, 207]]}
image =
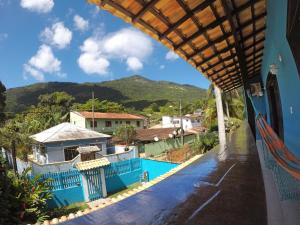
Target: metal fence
{"points": [[66, 187]]}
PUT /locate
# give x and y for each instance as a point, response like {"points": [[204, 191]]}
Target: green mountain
{"points": [[135, 91]]}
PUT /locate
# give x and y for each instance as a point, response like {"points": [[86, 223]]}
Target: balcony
{"points": [[225, 186]]}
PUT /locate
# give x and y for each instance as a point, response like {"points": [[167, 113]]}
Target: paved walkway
{"points": [[222, 187]]}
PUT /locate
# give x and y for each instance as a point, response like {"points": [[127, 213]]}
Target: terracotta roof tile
{"points": [[100, 115]]}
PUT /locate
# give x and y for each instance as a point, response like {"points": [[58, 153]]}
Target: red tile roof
{"points": [[100, 115], [161, 133]]}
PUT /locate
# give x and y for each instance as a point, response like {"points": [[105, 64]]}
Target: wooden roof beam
{"points": [[241, 57], [148, 6], [197, 9], [228, 80], [227, 74], [236, 80], [230, 57], [233, 84], [223, 68], [212, 25], [222, 38], [230, 89]]}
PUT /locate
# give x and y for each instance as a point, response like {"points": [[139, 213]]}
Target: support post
{"points": [[220, 112], [103, 183], [85, 187]]}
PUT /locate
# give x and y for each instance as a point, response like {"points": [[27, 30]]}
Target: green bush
{"points": [[23, 198], [205, 142]]}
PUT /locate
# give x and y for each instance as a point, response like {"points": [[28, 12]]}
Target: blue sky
{"points": [[72, 41]]}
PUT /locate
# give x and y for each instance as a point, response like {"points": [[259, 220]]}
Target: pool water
{"points": [[120, 175], [156, 168]]}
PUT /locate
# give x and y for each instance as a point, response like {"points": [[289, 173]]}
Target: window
{"points": [[70, 152], [107, 123], [91, 124], [116, 122], [138, 123], [120, 122], [128, 122]]}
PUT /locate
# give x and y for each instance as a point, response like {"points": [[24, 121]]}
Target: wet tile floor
{"points": [[222, 187]]}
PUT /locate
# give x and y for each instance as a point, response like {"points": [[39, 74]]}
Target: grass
{"points": [[66, 210], [130, 187]]}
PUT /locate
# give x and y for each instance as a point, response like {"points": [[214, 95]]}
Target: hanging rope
{"points": [[282, 155]]}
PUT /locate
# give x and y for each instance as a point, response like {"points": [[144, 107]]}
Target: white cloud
{"points": [[80, 23], [171, 56], [58, 35], [126, 44], [161, 67], [38, 75], [43, 62], [40, 6], [91, 61], [134, 64]]}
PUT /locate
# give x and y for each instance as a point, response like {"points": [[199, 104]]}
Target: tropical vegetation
{"points": [[23, 198]]}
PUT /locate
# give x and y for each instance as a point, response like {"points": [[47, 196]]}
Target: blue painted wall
{"points": [[156, 168], [66, 197], [288, 79]]}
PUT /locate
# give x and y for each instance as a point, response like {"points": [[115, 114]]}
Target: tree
{"points": [[57, 100], [2, 102], [99, 106], [126, 133]]}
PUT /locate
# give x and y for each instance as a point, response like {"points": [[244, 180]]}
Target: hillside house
{"points": [[65, 141], [188, 122], [106, 122]]}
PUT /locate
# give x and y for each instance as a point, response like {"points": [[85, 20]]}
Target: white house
{"points": [[106, 122], [188, 122], [63, 142]]}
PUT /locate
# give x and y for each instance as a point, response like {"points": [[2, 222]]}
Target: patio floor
{"points": [[222, 187]]}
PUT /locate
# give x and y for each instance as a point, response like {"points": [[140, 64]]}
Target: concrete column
{"points": [[103, 183], [220, 112], [85, 187]]}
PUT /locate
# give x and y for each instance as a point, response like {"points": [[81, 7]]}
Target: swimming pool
{"points": [[120, 175], [156, 168]]}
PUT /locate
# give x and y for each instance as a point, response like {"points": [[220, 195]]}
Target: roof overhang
{"points": [[223, 39]]}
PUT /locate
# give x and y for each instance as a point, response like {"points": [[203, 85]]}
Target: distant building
{"points": [[106, 122], [65, 141], [188, 122]]}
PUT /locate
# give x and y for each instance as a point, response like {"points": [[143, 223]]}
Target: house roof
{"points": [[222, 39], [87, 149], [91, 164], [66, 132], [161, 133], [100, 115]]}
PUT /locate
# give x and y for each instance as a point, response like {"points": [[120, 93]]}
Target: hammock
{"points": [[282, 155]]}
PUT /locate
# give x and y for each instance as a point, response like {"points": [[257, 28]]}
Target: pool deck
{"points": [[222, 187]]}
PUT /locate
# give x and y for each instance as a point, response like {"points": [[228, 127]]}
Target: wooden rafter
{"points": [[221, 60]]}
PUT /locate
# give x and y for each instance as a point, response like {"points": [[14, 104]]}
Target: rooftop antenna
{"points": [[93, 113]]}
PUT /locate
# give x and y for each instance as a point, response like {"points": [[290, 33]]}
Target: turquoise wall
{"points": [[288, 79], [66, 197]]}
